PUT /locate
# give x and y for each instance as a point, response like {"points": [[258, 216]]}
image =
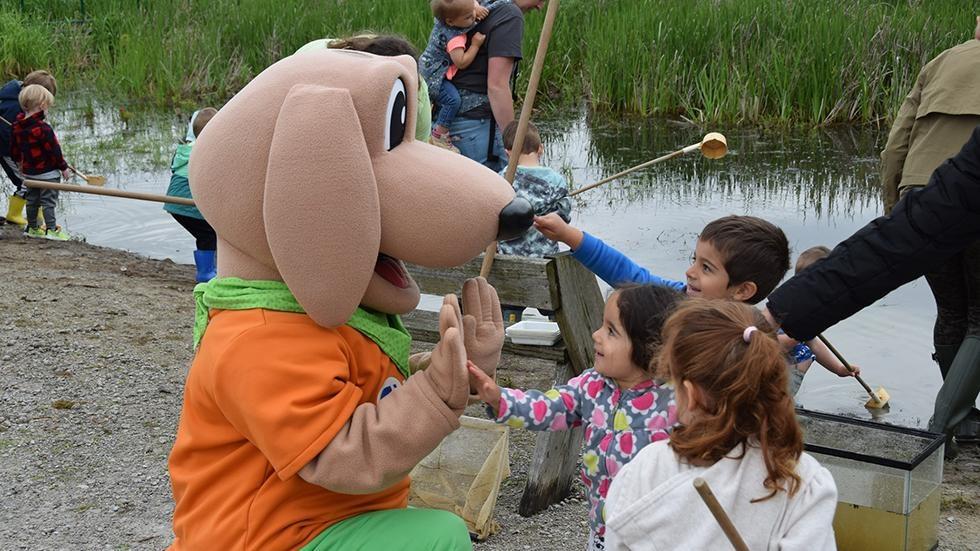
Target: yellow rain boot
{"points": [[15, 211]]}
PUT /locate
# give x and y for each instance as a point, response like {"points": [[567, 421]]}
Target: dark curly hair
{"points": [[643, 309]]}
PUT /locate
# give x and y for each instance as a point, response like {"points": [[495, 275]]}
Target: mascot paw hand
{"points": [[483, 325], [447, 368]]}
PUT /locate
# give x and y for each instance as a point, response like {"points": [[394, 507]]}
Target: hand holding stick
{"points": [[879, 398], [92, 180]]}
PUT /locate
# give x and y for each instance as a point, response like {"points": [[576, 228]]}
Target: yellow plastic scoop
{"points": [[714, 145], [92, 180]]}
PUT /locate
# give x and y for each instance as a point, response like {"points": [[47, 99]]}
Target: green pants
{"points": [[395, 529]]}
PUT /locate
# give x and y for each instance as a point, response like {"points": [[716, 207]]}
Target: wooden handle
{"points": [[526, 107], [111, 192], [720, 515], [849, 368], [677, 153], [76, 171]]}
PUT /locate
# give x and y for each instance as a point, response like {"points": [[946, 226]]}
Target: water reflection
{"points": [[824, 172], [819, 186]]}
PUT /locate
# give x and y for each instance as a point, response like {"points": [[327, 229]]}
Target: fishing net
{"points": [[464, 473]]}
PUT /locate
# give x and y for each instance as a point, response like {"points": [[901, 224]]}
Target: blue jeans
{"points": [[472, 138], [448, 101]]}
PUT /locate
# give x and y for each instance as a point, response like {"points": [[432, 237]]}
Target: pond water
{"points": [[819, 186]]}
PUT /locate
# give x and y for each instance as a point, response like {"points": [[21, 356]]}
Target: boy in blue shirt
{"points": [[739, 258]]}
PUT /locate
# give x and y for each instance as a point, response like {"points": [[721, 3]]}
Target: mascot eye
{"points": [[397, 115]]}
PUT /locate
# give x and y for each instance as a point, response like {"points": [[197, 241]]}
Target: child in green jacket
{"points": [[187, 216]]}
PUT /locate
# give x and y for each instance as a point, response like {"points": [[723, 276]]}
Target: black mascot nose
{"points": [[515, 219]]}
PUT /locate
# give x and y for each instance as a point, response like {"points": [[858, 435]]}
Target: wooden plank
{"points": [[424, 326], [518, 280], [575, 288], [553, 465]]}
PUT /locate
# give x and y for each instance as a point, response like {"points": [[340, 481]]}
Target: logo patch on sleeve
{"points": [[389, 385]]}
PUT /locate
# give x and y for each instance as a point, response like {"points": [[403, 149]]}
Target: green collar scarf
{"points": [[232, 293]]}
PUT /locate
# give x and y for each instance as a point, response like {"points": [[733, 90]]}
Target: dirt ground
{"points": [[94, 346]]}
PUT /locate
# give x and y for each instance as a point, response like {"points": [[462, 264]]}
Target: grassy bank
{"points": [[804, 62]]}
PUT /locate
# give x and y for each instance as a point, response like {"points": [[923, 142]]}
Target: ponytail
{"points": [[730, 353]]}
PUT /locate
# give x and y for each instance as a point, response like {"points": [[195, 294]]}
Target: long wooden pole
{"points": [[668, 156], [874, 396], [532, 91], [110, 192], [720, 515]]}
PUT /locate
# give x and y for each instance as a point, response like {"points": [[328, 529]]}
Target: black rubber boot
{"points": [[960, 388], [968, 431]]}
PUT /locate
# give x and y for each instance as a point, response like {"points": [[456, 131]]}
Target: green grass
{"points": [[807, 62]]}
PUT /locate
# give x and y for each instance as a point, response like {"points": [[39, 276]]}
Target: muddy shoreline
{"points": [[94, 346]]}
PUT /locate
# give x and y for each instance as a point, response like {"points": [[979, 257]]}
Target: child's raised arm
{"points": [[612, 266], [554, 227], [554, 410], [460, 54], [830, 362]]}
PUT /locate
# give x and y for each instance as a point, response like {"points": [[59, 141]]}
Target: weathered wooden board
{"points": [[518, 280], [575, 288]]}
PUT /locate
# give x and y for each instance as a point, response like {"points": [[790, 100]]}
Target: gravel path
{"points": [[94, 346]]}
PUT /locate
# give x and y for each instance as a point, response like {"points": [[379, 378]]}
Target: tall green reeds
{"points": [[806, 62]]}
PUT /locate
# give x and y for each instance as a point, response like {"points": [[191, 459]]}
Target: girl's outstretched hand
{"points": [[485, 387]]}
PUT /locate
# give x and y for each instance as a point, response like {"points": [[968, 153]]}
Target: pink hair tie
{"points": [[748, 332]]}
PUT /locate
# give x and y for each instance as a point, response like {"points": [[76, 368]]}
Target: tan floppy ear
{"points": [[321, 210]]}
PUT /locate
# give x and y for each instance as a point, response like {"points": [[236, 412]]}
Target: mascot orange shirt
{"points": [[255, 425]]}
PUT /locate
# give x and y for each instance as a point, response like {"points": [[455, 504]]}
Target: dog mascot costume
{"points": [[303, 414]]}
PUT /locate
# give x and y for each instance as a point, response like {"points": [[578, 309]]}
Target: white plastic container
{"points": [[540, 333], [533, 314]]}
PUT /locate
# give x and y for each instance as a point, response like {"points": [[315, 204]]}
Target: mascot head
{"points": [[311, 175]]}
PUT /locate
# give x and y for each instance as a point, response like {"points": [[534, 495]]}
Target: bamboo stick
{"points": [[712, 146], [110, 192], [878, 399], [532, 90], [720, 515]]}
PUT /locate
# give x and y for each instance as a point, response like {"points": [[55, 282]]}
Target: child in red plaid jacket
{"points": [[35, 148]]}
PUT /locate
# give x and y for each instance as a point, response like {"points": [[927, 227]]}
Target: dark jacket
{"points": [[9, 109], [925, 229], [34, 146]]}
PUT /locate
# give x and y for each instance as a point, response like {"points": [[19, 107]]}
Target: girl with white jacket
{"points": [[738, 432]]}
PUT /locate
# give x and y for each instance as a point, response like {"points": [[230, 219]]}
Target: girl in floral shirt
{"points": [[620, 403]]}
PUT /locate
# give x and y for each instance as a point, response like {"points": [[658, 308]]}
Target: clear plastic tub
{"points": [[888, 481], [539, 333]]}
